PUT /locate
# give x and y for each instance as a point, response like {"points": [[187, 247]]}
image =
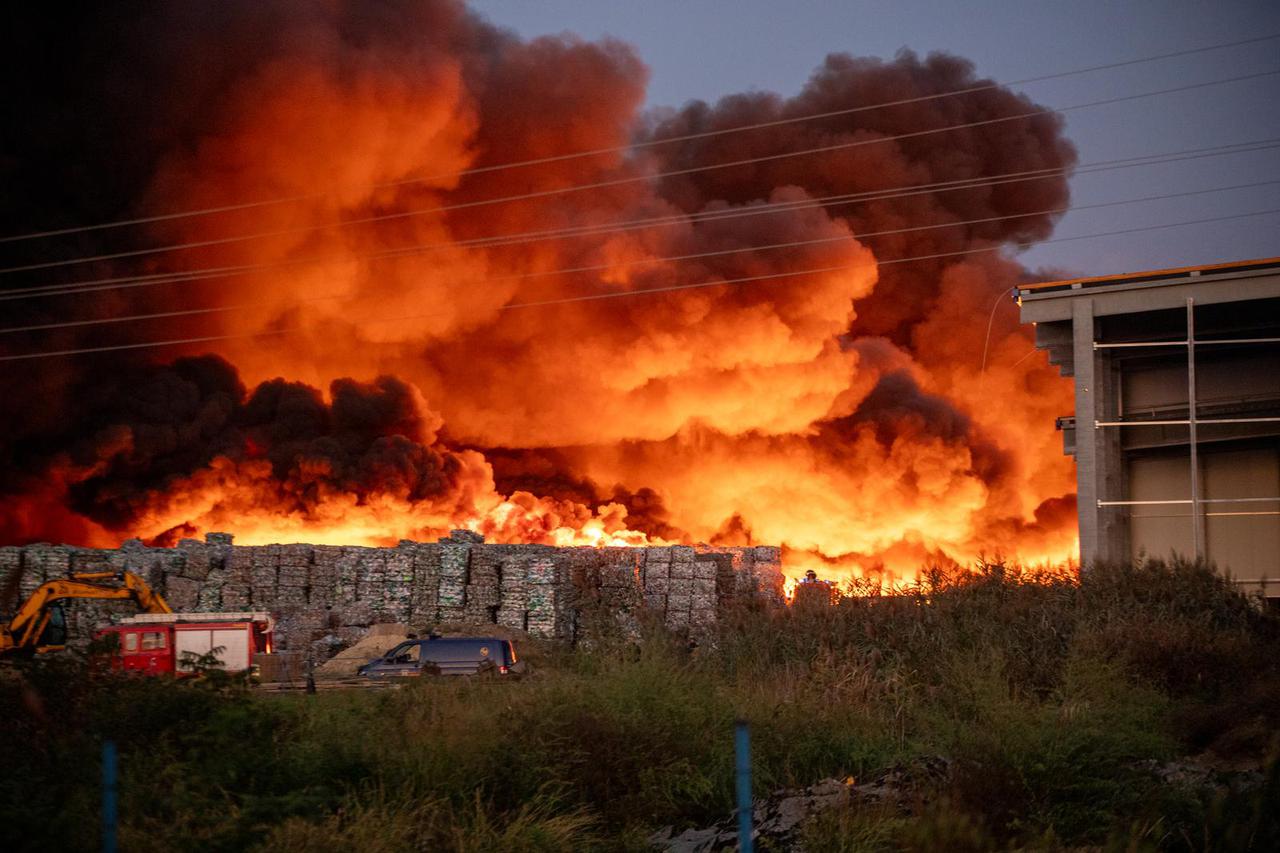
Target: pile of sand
{"points": [[375, 644]]}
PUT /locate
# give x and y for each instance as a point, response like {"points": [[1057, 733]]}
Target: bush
{"points": [[1051, 696]]}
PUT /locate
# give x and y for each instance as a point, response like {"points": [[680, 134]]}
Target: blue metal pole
{"points": [[109, 796], [742, 749]]}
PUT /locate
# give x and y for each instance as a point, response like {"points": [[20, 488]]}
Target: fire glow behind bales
{"points": [[843, 414]]}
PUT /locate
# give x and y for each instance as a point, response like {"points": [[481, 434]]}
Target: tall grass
{"points": [[1049, 695]]}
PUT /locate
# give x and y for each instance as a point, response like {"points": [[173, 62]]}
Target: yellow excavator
{"points": [[41, 625]]}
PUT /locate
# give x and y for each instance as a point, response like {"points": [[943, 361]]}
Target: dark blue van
{"points": [[445, 656]]}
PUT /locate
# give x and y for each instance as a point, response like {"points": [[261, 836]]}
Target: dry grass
{"points": [[1047, 693]]}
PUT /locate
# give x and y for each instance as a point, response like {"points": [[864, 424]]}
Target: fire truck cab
{"points": [[165, 643]]}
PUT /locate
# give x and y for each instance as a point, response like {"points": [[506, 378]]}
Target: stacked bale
{"points": [[767, 573], [371, 579], [322, 579], [40, 563], [186, 576], [10, 570], [702, 598], [238, 584], [327, 596], [264, 576], [514, 607], [397, 603], [425, 601], [483, 594], [620, 587], [452, 591], [348, 571], [197, 561], [543, 589], [680, 588], [87, 560], [656, 578], [293, 574]]}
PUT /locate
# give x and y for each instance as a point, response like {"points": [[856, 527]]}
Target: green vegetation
{"points": [[1056, 703]]}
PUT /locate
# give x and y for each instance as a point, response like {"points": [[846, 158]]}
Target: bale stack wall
{"points": [[325, 597]]}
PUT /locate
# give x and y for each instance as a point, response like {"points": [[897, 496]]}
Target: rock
{"points": [[778, 818]]}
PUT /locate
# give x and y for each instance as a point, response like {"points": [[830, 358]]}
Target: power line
{"points": [[623, 294], [199, 274], [222, 309], [643, 143], [614, 182]]}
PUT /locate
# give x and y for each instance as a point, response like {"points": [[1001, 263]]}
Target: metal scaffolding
{"points": [[1195, 500]]}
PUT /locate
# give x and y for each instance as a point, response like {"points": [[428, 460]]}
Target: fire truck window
{"points": [[130, 641], [152, 640]]}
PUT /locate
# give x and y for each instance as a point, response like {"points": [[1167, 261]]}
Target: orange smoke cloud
{"points": [[846, 415]]}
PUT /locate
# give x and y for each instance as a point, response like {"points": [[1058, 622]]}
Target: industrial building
{"points": [[1176, 430]]}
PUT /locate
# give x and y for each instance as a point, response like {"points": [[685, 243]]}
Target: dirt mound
{"points": [[375, 644]]}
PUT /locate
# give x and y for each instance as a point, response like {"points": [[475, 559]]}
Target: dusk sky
{"points": [[705, 50]]}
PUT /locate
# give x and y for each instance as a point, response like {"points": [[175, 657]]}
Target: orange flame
{"points": [[846, 415]]}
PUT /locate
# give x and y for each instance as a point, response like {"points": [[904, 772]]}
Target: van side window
{"points": [[130, 641], [152, 640]]}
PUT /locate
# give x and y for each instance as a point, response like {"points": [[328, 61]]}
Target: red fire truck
{"points": [[168, 643]]}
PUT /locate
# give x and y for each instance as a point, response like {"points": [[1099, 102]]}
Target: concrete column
{"points": [[1084, 362], [1099, 462]]}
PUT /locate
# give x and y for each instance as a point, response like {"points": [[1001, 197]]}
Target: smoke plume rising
{"points": [[373, 376]]}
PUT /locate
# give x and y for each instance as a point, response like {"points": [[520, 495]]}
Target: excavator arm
{"points": [[25, 632]]}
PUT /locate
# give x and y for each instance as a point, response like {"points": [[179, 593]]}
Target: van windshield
{"points": [[404, 653]]}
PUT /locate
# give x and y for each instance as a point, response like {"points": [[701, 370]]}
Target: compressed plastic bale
{"points": [[702, 601], [680, 586], [426, 584], [322, 576], [371, 577], [234, 597], [513, 618], [85, 560], [264, 576], [348, 571], [513, 586], [57, 562], [659, 585], [453, 562], [182, 594], [541, 571], [290, 597], [451, 593], [657, 569], [704, 570]]}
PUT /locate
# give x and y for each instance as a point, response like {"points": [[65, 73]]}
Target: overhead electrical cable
{"points": [[614, 182], [625, 294], [641, 144], [223, 309], [201, 274]]}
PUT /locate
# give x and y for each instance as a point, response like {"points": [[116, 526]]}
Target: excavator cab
{"points": [[55, 630], [41, 622]]}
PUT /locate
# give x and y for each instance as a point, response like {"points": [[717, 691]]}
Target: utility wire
{"points": [[624, 294], [614, 182], [180, 277], [640, 262], [643, 143]]}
